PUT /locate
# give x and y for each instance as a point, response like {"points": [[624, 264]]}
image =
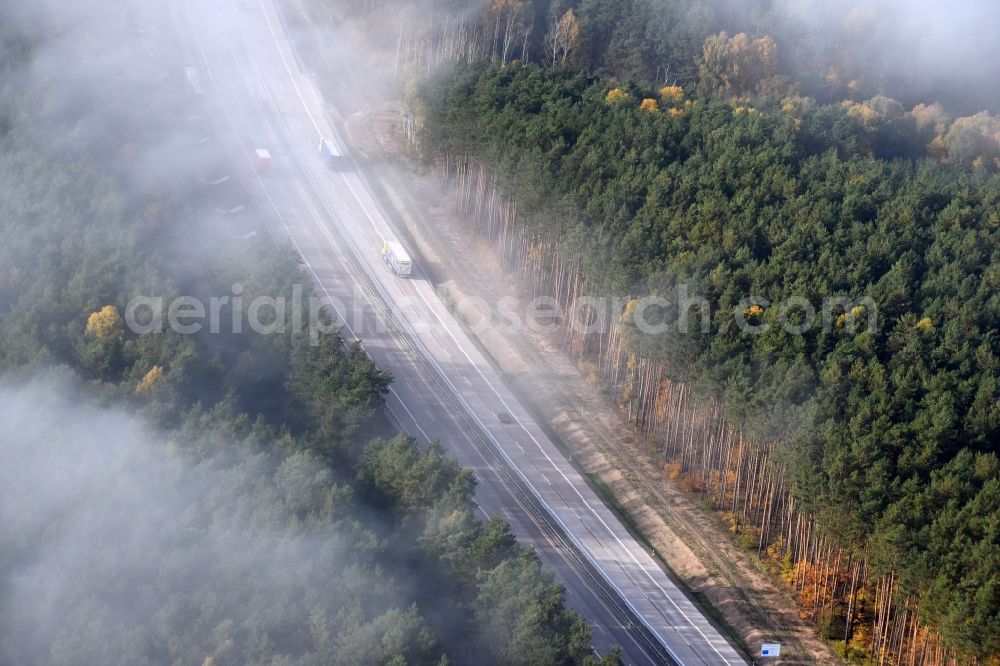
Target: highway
{"points": [[444, 389]]}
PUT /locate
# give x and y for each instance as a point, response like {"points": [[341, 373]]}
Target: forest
{"points": [[633, 148], [887, 435], [220, 497]]}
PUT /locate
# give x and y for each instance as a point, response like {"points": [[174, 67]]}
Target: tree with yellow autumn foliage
{"points": [[974, 140], [617, 96], [563, 38], [672, 94], [105, 323], [737, 65], [150, 380], [100, 350]]}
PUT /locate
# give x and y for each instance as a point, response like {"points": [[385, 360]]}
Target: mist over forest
{"points": [[121, 546], [920, 51], [232, 498], [214, 498]]}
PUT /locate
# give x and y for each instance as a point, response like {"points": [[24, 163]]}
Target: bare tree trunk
{"points": [[723, 464]]}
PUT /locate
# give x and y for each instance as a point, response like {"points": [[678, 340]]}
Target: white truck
{"points": [[396, 258], [261, 158], [330, 155]]}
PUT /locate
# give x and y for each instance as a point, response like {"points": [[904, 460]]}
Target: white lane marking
{"points": [[288, 70], [313, 213], [573, 487], [479, 371]]}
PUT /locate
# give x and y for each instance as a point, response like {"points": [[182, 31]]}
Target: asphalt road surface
{"points": [[444, 388]]}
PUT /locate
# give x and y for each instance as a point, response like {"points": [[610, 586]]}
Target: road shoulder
{"points": [[689, 539]]}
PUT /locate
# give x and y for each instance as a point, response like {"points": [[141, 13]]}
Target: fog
{"points": [[108, 527], [919, 50], [119, 543], [103, 87]]}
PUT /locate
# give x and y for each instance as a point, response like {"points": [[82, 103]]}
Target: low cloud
{"points": [[120, 546]]}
